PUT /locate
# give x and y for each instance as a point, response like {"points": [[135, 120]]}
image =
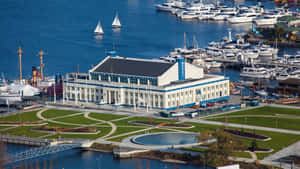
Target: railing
{"points": [[41, 151]]}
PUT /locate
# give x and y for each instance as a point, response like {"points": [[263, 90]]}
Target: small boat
{"points": [[261, 93], [116, 23], [98, 30]]}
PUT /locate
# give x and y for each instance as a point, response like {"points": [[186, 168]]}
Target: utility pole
{"points": [[41, 53], [20, 51]]}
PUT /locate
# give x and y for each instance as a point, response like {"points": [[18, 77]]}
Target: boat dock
{"points": [[24, 140]]}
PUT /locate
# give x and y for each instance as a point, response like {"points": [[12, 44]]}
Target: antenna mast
{"points": [[20, 51], [41, 53], [184, 40]]}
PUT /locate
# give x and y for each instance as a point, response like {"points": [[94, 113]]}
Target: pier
{"points": [[24, 140]]}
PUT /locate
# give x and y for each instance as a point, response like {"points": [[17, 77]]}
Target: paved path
{"points": [[243, 126], [253, 155], [113, 126], [8, 128], [39, 115], [293, 149], [250, 115], [228, 112], [123, 118]]}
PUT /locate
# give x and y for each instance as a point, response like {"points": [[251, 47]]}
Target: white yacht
{"points": [[241, 18], [294, 60], [206, 16], [282, 76], [167, 6], [189, 15], [265, 20], [254, 72]]}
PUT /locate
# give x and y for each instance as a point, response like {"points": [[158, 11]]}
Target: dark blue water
{"points": [[76, 159], [64, 30], [167, 139]]}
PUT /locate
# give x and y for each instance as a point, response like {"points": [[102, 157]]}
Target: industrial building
{"points": [[146, 83]]}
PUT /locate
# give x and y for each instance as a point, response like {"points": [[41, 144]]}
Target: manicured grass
{"points": [[3, 127], [104, 131], [200, 127], [242, 154], [51, 113], [106, 117], [60, 125], [278, 141], [265, 111], [125, 121], [122, 130], [78, 119], [197, 149], [29, 116], [273, 122], [23, 131]]}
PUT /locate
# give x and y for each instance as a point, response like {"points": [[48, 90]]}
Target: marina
{"points": [[153, 79]]}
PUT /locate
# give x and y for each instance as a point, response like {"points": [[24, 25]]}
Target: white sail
{"points": [[99, 29], [116, 23]]}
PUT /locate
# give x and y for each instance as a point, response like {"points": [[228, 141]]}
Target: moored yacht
{"points": [[265, 20], [254, 72]]}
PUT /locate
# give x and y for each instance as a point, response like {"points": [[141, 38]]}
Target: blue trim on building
{"points": [[154, 90], [215, 100], [159, 108], [181, 68]]}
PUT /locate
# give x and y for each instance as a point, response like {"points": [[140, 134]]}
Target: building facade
{"points": [[144, 83]]}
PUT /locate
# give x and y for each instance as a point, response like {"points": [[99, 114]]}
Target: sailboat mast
{"points": [[41, 53], [20, 51], [184, 41]]}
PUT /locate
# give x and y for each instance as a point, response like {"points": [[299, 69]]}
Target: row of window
{"points": [[107, 78]]}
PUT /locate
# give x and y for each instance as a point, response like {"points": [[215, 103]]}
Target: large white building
{"points": [[146, 83]]}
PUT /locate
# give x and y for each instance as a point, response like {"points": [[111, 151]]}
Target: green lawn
{"points": [[121, 130], [242, 154], [106, 117], [104, 131], [60, 125], [29, 116], [3, 127], [78, 119], [287, 122], [23, 131], [51, 113], [264, 111], [125, 121], [273, 122], [278, 141]]}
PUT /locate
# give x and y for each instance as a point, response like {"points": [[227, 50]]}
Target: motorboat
{"points": [[241, 18], [254, 72], [261, 93], [265, 20]]}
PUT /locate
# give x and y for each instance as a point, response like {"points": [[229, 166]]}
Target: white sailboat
{"points": [[98, 30], [116, 23]]}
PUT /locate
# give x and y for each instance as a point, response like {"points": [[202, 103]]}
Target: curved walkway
{"points": [[249, 115], [113, 126], [39, 115], [244, 126]]}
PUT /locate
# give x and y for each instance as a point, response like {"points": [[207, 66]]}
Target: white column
{"points": [[64, 92], [76, 94]]}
